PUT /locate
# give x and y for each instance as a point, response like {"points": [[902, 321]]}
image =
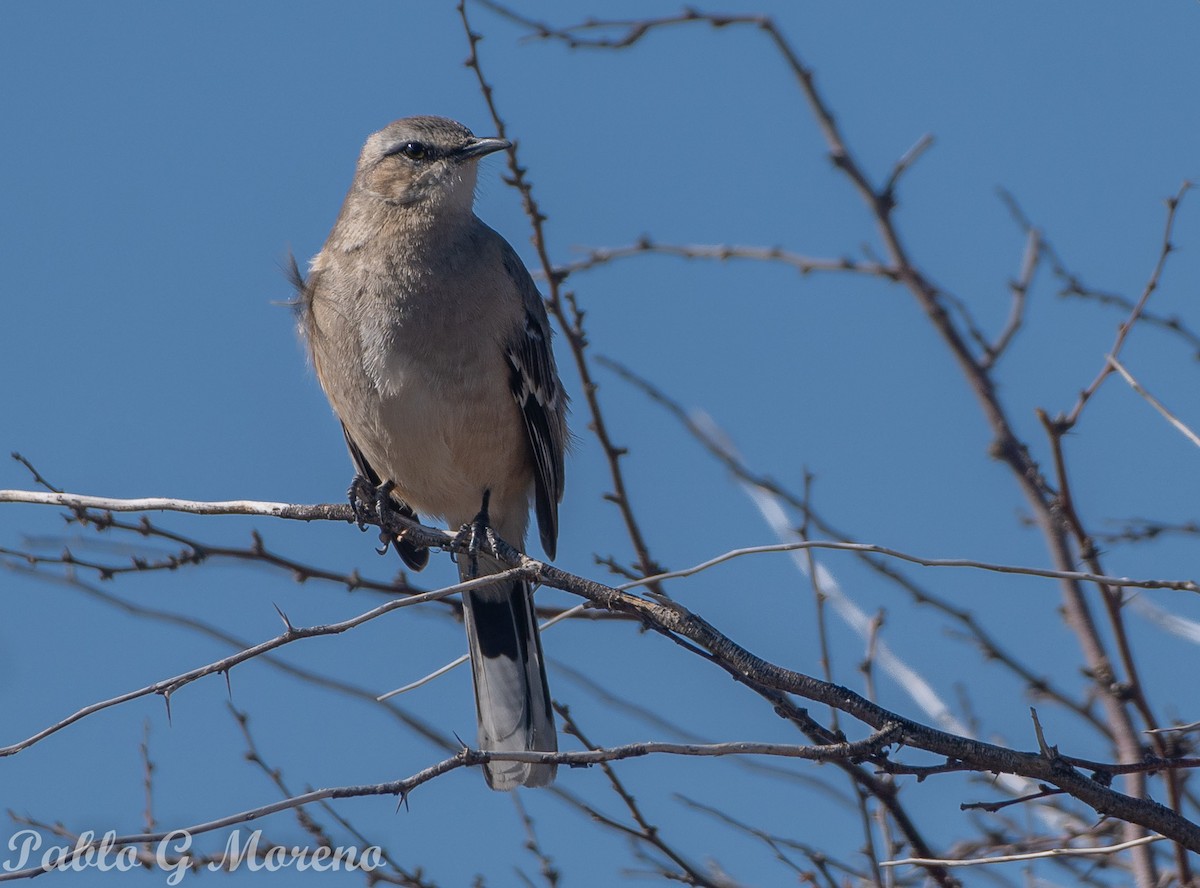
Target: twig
{"points": [[458, 661], [1165, 250], [1020, 290], [167, 687], [565, 310], [645, 832], [546, 865], [905, 163], [316, 512], [703, 433], [873, 549], [1073, 286], [1034, 855], [1153, 401], [326, 512], [822, 861], [645, 246], [37, 477]]}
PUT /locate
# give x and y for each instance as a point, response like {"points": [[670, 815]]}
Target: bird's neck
{"points": [[414, 225]]}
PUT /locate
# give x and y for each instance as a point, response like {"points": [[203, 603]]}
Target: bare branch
{"points": [[471, 758], [1126, 327], [1020, 290], [1035, 855], [723, 253], [1153, 401], [169, 686], [564, 309]]}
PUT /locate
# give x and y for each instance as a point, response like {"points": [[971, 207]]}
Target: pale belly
{"points": [[444, 443]]}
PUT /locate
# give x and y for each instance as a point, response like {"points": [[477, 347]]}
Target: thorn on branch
{"points": [[1050, 752], [287, 624]]}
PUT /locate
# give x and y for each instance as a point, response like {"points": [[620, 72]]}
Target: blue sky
{"points": [[158, 162]]}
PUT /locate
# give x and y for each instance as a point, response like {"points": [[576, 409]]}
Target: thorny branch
{"points": [[564, 308], [471, 758], [965, 343], [977, 355], [1072, 285], [435, 538], [679, 624]]}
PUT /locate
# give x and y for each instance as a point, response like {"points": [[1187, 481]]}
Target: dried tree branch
{"points": [[563, 308], [645, 246], [1154, 402], [1165, 250], [167, 687], [473, 758], [425, 535]]}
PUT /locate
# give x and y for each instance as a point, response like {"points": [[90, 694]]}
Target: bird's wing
{"points": [[539, 394]]}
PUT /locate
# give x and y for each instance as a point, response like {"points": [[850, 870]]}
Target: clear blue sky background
{"points": [[158, 161]]}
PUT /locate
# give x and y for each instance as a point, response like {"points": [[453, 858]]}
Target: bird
{"points": [[433, 346]]}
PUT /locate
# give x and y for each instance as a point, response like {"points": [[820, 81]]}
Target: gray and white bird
{"points": [[432, 344]]}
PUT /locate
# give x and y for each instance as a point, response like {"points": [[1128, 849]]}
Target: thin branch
{"points": [[295, 512], [959, 339], [645, 246], [991, 649], [422, 532], [167, 687], [905, 163], [1034, 855], [37, 477], [458, 661], [472, 758], [423, 729], [564, 309], [818, 858], [645, 832], [1020, 290], [1073, 286], [1165, 250], [549, 872], [1153, 401]]}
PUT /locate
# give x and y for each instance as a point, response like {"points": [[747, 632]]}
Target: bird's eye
{"points": [[414, 150]]}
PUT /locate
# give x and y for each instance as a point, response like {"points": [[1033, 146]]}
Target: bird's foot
{"points": [[363, 499], [386, 509], [474, 535], [371, 504]]}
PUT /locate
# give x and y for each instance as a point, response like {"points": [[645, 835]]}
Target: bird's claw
{"points": [[474, 535], [363, 499], [385, 509]]}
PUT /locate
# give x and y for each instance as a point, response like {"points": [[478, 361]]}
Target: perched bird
{"points": [[432, 344]]}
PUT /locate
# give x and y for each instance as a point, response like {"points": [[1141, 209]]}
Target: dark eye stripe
{"points": [[413, 150]]}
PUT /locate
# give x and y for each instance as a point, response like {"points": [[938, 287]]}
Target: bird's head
{"points": [[423, 162]]}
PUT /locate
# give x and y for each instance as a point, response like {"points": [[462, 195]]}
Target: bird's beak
{"points": [[480, 147]]}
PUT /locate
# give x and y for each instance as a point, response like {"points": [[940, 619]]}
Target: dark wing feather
{"points": [[541, 399]]}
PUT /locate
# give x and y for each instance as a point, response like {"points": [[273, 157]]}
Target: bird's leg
{"points": [[386, 508], [363, 497], [476, 532], [371, 503]]}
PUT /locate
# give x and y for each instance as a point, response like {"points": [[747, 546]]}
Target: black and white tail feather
{"points": [[512, 699]]}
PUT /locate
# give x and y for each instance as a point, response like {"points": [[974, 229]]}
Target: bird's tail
{"points": [[512, 700]]}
